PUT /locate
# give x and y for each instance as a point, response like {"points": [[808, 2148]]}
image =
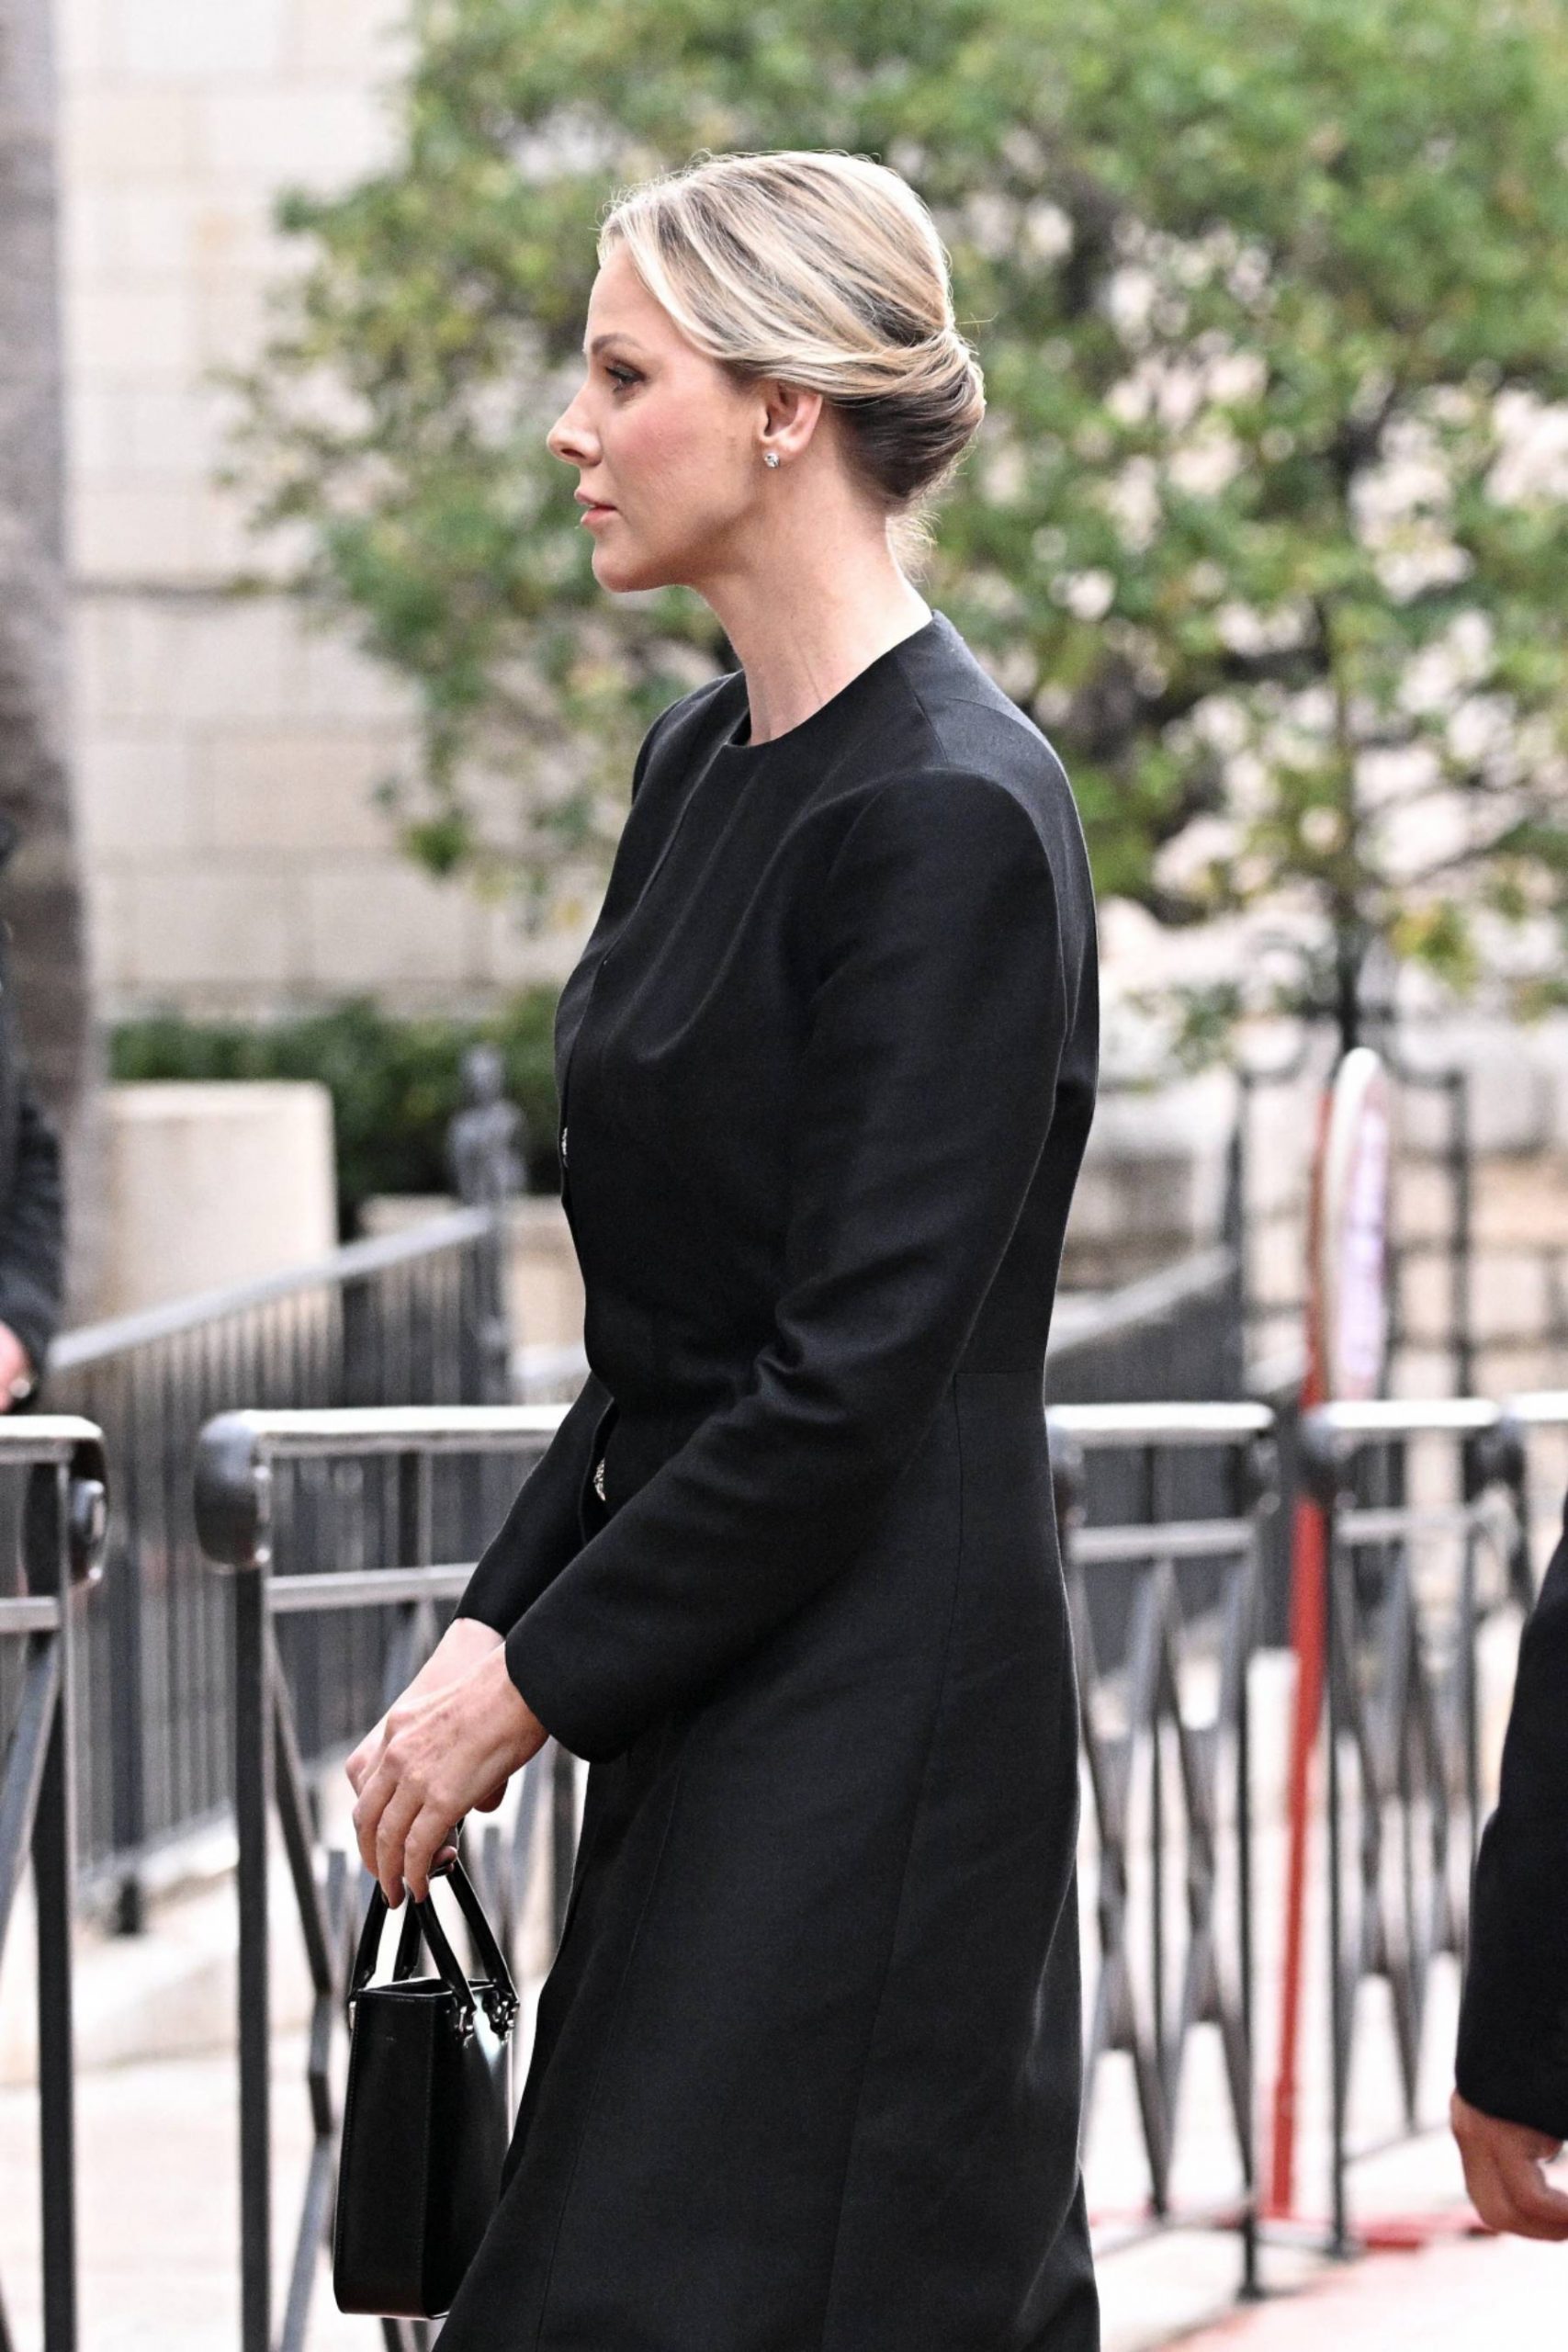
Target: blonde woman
{"points": [[805, 2076]]}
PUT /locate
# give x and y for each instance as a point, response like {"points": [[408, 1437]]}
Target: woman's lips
{"points": [[596, 514]]}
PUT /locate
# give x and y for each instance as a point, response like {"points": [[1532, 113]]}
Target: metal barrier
{"points": [[51, 1470], [417, 1318], [1405, 1800], [245, 1463], [1138, 1730]]}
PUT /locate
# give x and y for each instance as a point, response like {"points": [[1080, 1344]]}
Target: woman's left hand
{"points": [[441, 1753]]}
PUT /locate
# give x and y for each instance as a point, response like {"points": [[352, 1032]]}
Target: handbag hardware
{"points": [[496, 1991]]}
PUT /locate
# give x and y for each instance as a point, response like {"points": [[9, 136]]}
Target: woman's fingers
{"points": [[424, 1839]]}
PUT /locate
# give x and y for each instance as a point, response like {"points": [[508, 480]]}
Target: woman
{"points": [[806, 2070]]}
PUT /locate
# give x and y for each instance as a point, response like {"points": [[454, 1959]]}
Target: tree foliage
{"points": [[1262, 294]]}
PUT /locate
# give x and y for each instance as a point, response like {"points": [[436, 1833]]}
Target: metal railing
{"points": [[418, 1317], [51, 1475], [252, 1471], [1155, 1764], [1409, 1585], [1151, 1761]]}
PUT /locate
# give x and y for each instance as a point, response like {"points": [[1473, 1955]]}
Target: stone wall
{"points": [[225, 755]]}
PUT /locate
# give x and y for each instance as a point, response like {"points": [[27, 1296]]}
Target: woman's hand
{"points": [[465, 1642], [449, 1749]]}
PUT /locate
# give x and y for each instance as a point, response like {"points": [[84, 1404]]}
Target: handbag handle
{"points": [[500, 1996]]}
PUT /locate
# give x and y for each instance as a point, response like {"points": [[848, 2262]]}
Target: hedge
{"points": [[394, 1083]]}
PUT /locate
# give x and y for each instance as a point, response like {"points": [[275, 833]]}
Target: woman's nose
{"points": [[568, 440]]}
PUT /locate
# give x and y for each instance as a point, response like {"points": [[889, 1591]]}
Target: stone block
{"points": [[141, 331], [1511, 1088], [122, 532], [1154, 1174], [242, 39], [172, 432], [355, 40], [232, 930], [231, 317], [111, 135], [330, 678], [1423, 1372], [125, 654], [99, 445], [81, 40], [133, 795], [113, 227], [213, 1184], [1506, 1372], [234, 661], [295, 788], [1510, 1297], [285, 133], [382, 923], [1282, 1127], [232, 230], [1423, 1198], [110, 946], [1425, 1290]]}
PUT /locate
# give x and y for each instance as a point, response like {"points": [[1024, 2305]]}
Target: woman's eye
{"points": [[623, 374]]}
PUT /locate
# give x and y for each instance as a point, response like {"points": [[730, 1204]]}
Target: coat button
{"points": [[599, 1479]]}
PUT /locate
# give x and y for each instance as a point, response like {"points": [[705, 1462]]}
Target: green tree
{"points": [[1262, 294]]}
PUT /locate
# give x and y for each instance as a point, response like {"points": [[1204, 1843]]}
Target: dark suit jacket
{"points": [[1512, 2032]]}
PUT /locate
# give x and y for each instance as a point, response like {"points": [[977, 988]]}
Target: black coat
{"points": [[32, 1241], [806, 2070], [1513, 2031]]}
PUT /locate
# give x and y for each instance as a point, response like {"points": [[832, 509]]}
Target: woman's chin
{"points": [[621, 575]]}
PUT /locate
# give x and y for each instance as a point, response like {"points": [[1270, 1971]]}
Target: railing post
{"points": [[233, 1520], [47, 1545], [62, 1532], [1323, 1468], [1260, 1497]]}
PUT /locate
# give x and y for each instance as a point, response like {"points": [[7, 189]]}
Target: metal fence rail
{"points": [[1156, 1767], [51, 1478], [417, 1317], [1409, 1587], [253, 1471], [1139, 1731]]}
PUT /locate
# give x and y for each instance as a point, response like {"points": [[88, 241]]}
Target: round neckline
{"points": [[805, 730]]}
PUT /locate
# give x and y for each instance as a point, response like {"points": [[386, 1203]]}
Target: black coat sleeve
{"points": [[1513, 2031], [542, 1530], [32, 1231], [944, 997]]}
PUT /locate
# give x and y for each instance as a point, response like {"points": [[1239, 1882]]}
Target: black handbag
{"points": [[428, 2112]]}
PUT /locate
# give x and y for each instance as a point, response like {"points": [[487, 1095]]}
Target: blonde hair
{"points": [[824, 269]]}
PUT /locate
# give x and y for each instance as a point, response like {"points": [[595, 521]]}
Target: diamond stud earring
{"points": [[769, 456]]}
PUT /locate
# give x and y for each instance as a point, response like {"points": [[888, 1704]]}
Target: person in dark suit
{"points": [[808, 2066], [32, 1219], [1510, 2101]]}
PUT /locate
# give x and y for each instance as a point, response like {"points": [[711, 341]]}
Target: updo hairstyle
{"points": [[824, 269]]}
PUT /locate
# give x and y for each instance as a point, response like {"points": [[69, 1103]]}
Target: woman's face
{"points": [[660, 435]]}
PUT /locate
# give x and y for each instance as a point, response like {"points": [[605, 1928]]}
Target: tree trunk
{"points": [[41, 894]]}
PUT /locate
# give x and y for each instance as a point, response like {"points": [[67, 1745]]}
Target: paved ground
{"points": [[1462, 2295], [159, 2243]]}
